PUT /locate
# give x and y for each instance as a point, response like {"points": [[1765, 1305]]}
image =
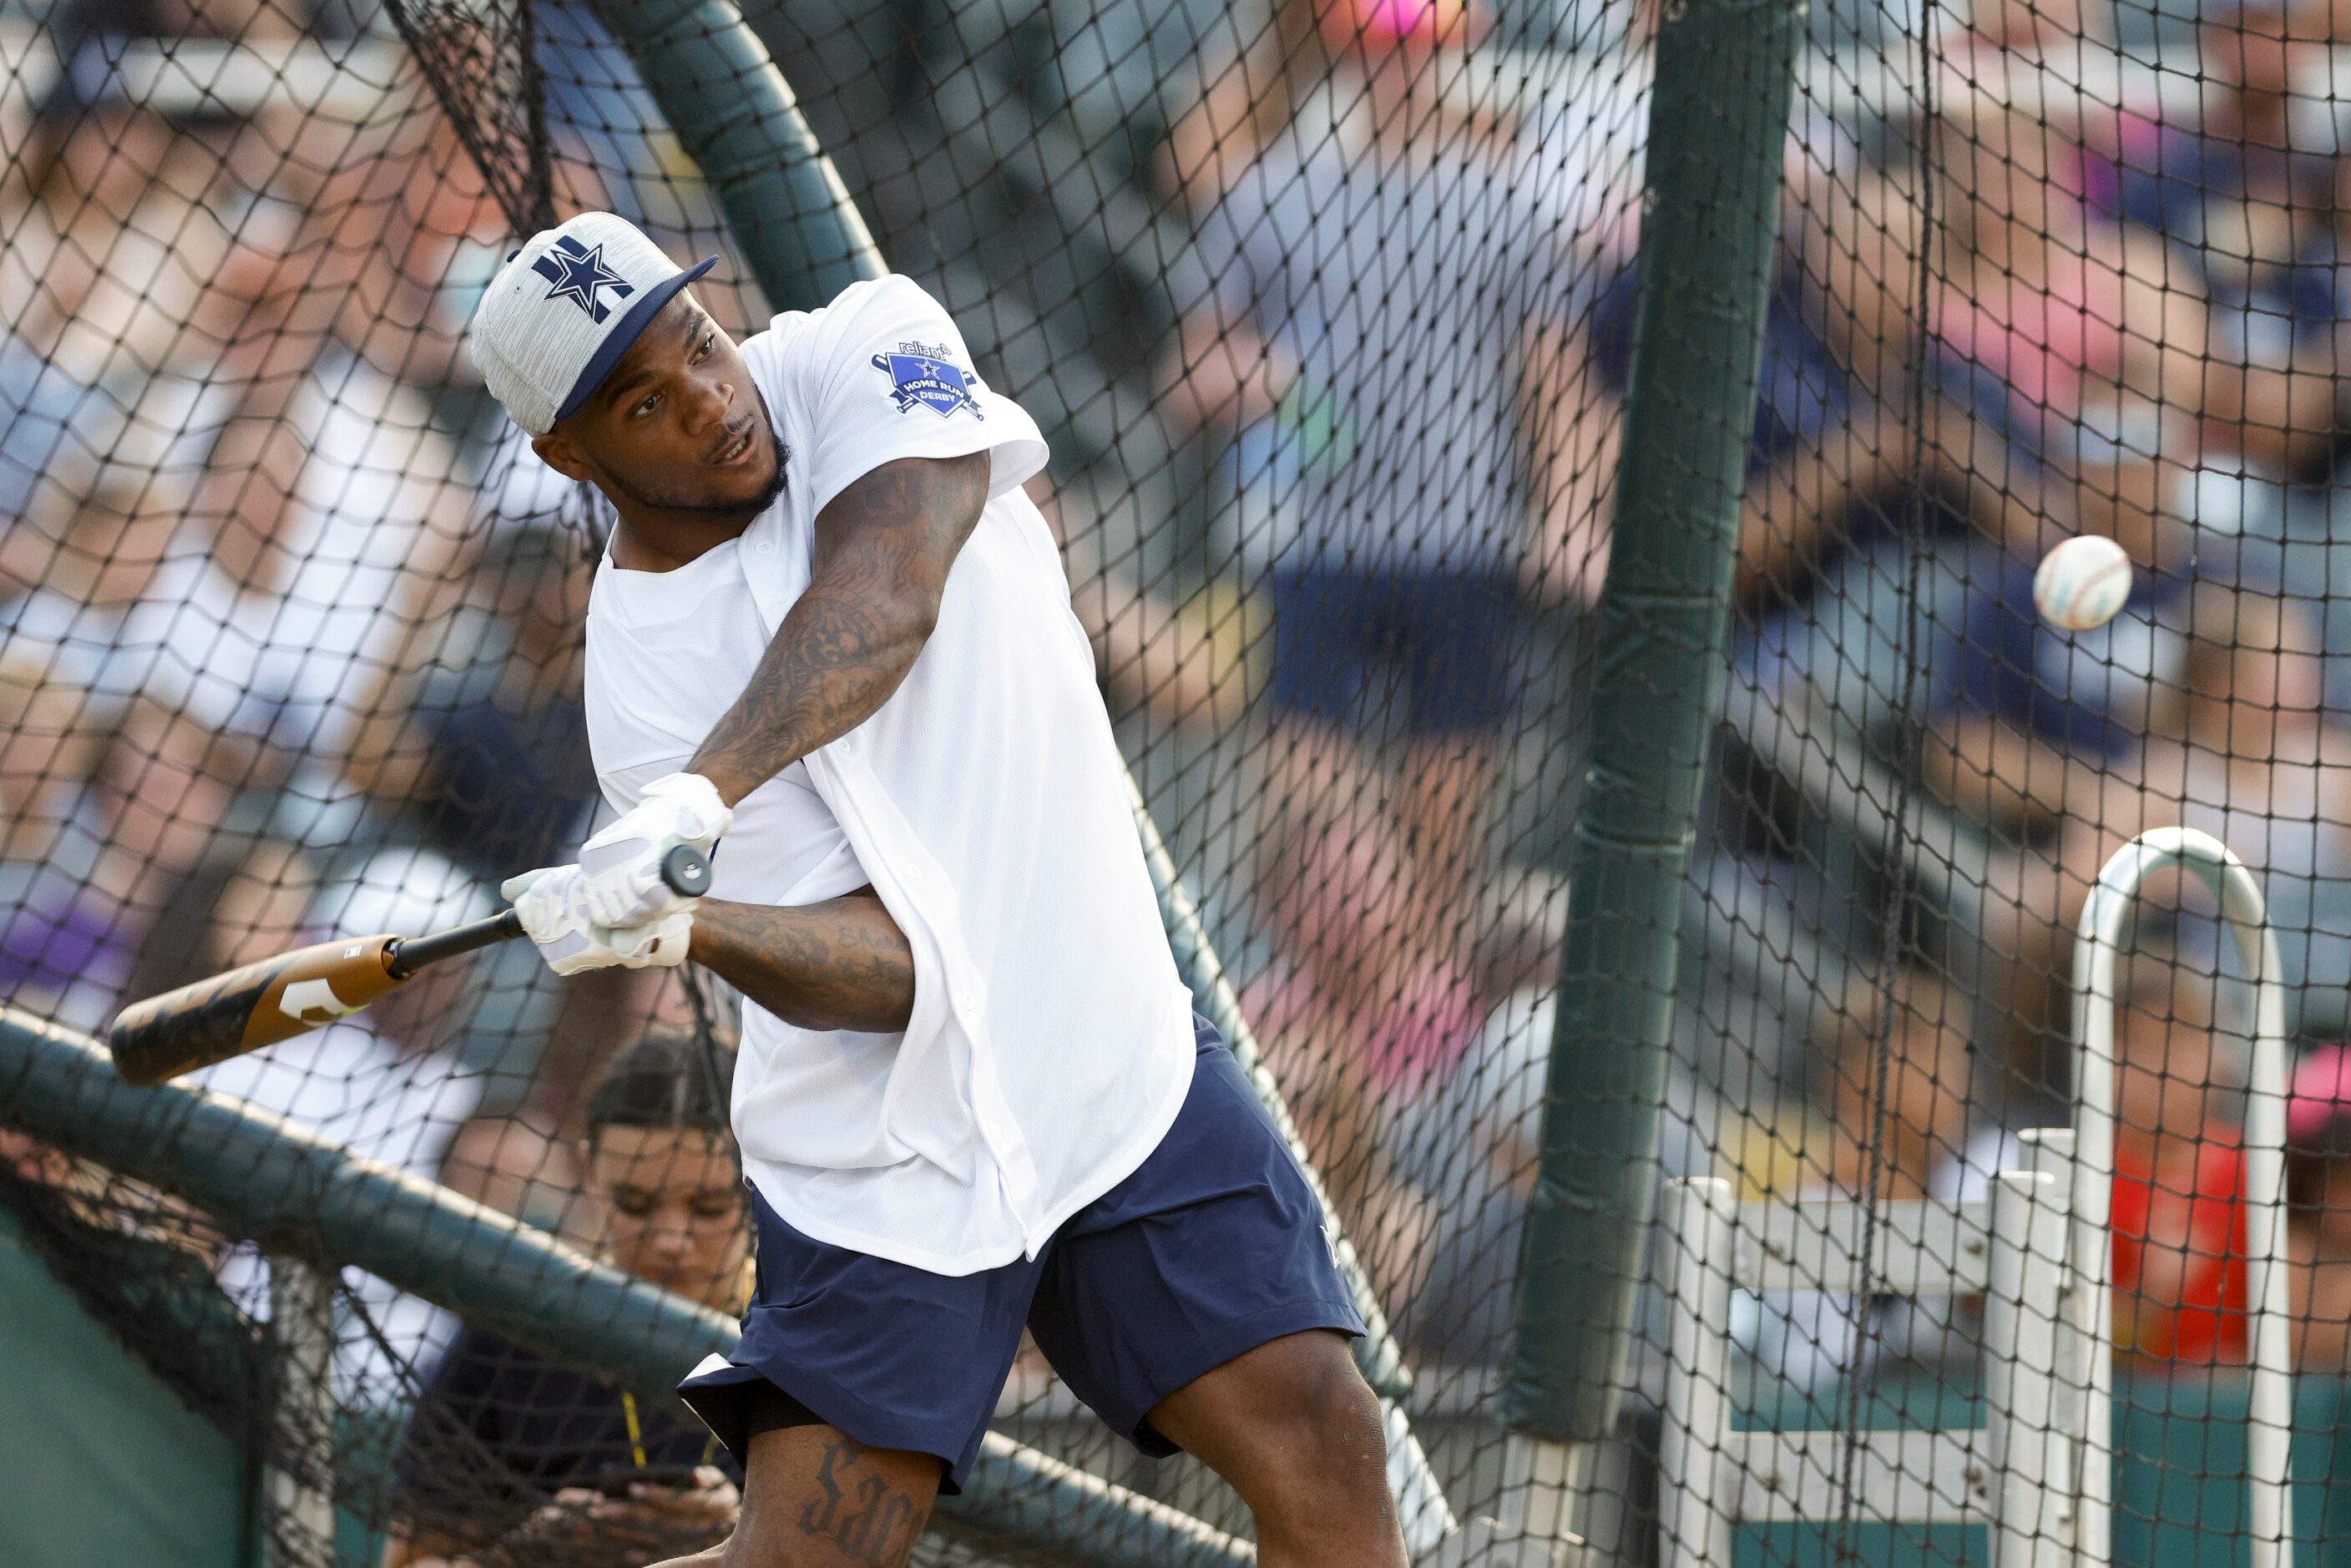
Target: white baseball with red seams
{"points": [[2083, 583]]}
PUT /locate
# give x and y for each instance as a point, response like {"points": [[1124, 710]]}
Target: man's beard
{"points": [[645, 496]]}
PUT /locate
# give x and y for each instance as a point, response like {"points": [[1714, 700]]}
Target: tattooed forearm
{"points": [[883, 548], [842, 964]]}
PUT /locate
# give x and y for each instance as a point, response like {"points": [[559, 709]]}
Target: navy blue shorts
{"points": [[1213, 1247], [1344, 640]]}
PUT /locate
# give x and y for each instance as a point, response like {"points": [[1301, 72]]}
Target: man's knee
{"points": [[1333, 1421], [1302, 1421]]}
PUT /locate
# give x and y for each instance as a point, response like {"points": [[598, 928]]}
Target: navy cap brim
{"points": [[632, 323]]}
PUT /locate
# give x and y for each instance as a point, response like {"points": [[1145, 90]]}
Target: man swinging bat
{"points": [[831, 644]]}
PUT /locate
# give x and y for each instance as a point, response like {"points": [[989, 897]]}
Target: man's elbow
{"points": [[910, 613], [920, 615]]}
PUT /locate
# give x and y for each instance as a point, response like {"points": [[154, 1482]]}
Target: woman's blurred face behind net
{"points": [[674, 1203]]}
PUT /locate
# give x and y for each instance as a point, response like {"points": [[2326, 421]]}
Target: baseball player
{"points": [[833, 638]]}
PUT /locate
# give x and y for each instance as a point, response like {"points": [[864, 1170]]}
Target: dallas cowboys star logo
{"points": [[578, 272]]}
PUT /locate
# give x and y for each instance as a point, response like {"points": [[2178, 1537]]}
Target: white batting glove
{"points": [[555, 917], [620, 867]]}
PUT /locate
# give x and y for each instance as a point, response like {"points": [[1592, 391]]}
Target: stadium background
{"points": [[1327, 309]]}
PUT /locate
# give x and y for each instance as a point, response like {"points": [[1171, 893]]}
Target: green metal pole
{"points": [[1718, 122], [784, 203], [295, 1192]]}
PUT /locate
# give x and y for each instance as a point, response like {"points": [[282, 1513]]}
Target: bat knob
{"points": [[686, 870]]}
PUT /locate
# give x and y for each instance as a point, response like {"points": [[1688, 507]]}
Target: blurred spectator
{"points": [[1845, 475], [109, 327], [399, 234], [2025, 718], [131, 244], [328, 523], [1184, 662], [382, 1083], [1906, 1117], [69, 207], [2176, 1212], [2230, 736], [2031, 734], [2247, 189], [479, 737], [1385, 302], [50, 746], [244, 902], [2097, 339], [93, 505], [2089, 341], [2243, 747], [1834, 464], [2318, 1228], [1360, 1026], [1903, 1096], [503, 1449], [1581, 146], [105, 852], [517, 1165], [2025, 29]]}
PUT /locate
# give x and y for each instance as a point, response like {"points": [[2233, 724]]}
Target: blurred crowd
{"points": [[2102, 289], [289, 626]]}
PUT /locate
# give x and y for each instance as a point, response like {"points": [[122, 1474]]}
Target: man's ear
{"points": [[560, 452]]}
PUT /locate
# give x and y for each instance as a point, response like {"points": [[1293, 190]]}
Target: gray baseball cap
{"points": [[565, 308]]}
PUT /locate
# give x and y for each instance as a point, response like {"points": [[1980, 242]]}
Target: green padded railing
{"points": [[295, 1192]]}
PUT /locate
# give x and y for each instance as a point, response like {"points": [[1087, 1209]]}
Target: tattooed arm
{"points": [[840, 964], [883, 548]]}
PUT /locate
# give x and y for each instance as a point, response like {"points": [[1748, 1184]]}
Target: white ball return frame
{"points": [[2040, 1473]]}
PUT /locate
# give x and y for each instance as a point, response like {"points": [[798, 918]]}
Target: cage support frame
{"points": [[302, 1336], [1717, 122]]}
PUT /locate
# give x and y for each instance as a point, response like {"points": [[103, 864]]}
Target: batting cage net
{"points": [[1509, 456]]}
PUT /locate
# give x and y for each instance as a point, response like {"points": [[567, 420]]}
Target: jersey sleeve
{"points": [[882, 373]]}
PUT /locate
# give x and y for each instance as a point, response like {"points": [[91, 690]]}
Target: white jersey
{"points": [[1051, 1044]]}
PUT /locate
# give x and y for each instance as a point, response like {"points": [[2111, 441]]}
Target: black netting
{"points": [[1327, 309]]}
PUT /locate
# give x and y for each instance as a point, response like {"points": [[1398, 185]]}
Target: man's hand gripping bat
{"points": [[277, 999]]}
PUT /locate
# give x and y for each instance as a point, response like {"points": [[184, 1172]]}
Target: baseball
{"points": [[2083, 583]]}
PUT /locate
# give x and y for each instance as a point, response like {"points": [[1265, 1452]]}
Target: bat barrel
{"points": [[258, 1005]]}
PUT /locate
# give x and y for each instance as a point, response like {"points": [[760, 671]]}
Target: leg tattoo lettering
{"points": [[862, 1515]]}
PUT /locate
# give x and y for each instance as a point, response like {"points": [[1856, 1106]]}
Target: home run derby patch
{"points": [[918, 377]]}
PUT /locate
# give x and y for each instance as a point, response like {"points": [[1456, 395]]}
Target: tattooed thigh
{"points": [[813, 1499]]}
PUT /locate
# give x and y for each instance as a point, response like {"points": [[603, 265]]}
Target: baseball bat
{"points": [[276, 998]]}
